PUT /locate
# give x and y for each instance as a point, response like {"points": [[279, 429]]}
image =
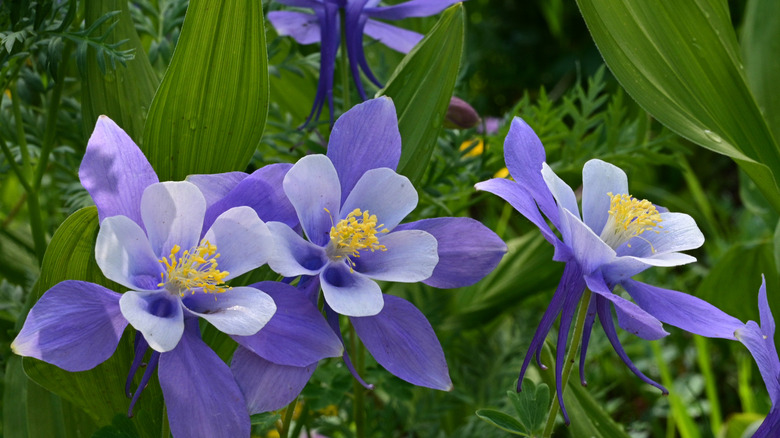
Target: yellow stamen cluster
{"points": [[628, 218], [194, 269], [358, 231]]}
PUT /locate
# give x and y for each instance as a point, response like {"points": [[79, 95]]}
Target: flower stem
{"points": [[288, 416], [705, 364], [358, 401], [573, 347], [346, 99], [51, 124]]}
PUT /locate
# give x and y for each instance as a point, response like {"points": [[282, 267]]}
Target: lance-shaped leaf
{"points": [[760, 45], [122, 93], [210, 109], [421, 88], [680, 61], [99, 391]]}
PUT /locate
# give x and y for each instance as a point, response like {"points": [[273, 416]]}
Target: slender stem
{"points": [[357, 388], [15, 167], [746, 395], [570, 355], [33, 203], [679, 411], [51, 124], [288, 417], [705, 364], [346, 98]]}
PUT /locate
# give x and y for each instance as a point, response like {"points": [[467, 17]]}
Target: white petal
{"points": [[312, 185], [123, 253], [411, 256], [239, 311], [293, 255], [242, 239], [350, 293], [561, 191], [157, 315], [173, 215], [677, 232], [598, 179], [384, 193]]}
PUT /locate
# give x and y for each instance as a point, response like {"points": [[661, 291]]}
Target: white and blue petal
{"points": [[242, 240], [173, 215], [561, 191], [124, 255], [293, 255], [410, 256], [384, 193], [157, 315], [241, 311], [75, 325], [302, 27], [675, 232], [599, 179], [396, 38], [588, 249], [312, 186], [349, 292]]}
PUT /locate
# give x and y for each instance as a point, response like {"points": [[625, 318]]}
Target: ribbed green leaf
{"points": [[760, 49], [680, 61], [210, 109], [421, 88], [124, 93], [502, 421], [99, 391]]}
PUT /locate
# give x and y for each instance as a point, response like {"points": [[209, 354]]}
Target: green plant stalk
{"points": [[33, 203], [703, 358], [576, 339], [51, 124], [744, 371], [288, 416], [346, 98], [357, 388], [503, 221], [683, 421], [15, 167]]}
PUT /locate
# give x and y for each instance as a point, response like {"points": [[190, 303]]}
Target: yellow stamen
{"points": [[194, 269], [358, 231], [628, 218]]}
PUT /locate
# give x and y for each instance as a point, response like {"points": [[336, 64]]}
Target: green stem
{"points": [[346, 98], [745, 391], [288, 416], [705, 364], [679, 411], [358, 401], [576, 338], [51, 124], [33, 203]]}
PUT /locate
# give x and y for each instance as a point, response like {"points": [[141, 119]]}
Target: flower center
{"points": [[195, 268], [358, 231], [628, 218]]}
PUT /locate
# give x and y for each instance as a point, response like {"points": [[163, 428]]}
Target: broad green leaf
{"points": [[209, 112], [502, 421], [760, 48], [531, 404], [123, 93], [14, 399], [421, 88], [99, 391], [680, 61]]}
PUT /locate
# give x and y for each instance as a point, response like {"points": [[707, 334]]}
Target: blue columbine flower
{"points": [[616, 237], [760, 341], [359, 16], [174, 250], [350, 203]]}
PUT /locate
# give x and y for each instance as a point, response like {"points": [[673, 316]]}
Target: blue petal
{"points": [[268, 386], [413, 8], [297, 334], [333, 322], [683, 311], [770, 427], [115, 172], [262, 191], [396, 38], [403, 341], [201, 396], [75, 325], [631, 317], [217, 186], [590, 318], [365, 137], [468, 250], [567, 315], [303, 28]]}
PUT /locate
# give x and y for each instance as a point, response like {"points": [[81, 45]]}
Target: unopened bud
{"points": [[460, 115]]}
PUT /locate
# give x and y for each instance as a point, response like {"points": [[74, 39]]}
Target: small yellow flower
{"points": [[329, 411], [476, 145], [273, 433], [502, 173]]}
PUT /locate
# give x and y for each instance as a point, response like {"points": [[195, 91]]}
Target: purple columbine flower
{"points": [[616, 237], [760, 341], [174, 249], [359, 19], [350, 203]]}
